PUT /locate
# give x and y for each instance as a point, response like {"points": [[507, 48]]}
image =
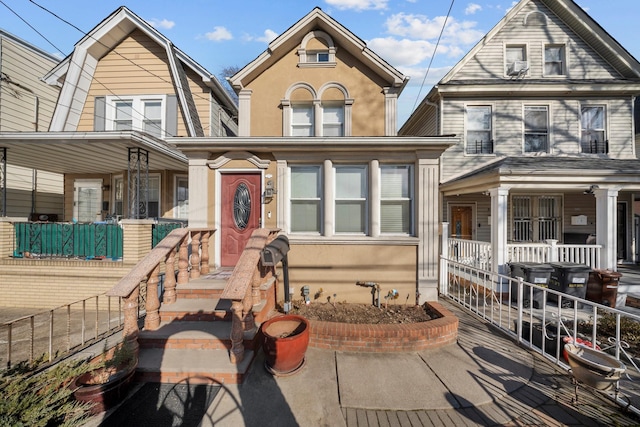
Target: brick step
{"points": [[193, 335], [192, 309], [201, 288], [195, 366]]}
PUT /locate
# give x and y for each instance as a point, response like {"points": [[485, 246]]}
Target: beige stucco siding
{"points": [[335, 268], [362, 85], [583, 62], [137, 66]]}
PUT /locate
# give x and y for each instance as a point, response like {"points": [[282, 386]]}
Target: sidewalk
{"points": [[485, 379]]}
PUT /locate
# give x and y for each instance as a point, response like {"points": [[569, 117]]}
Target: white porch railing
{"points": [[551, 251], [470, 252]]}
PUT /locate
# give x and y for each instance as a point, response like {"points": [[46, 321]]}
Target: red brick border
{"points": [[386, 338]]}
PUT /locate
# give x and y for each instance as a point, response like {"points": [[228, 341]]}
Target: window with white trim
{"points": [[396, 188], [516, 60], [345, 196], [181, 209], [351, 199], [306, 201], [136, 113], [536, 129], [302, 119], [118, 196], [479, 133], [332, 120], [554, 60], [153, 202], [592, 129]]}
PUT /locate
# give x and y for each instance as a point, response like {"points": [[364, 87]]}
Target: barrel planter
{"points": [[285, 343], [107, 395]]}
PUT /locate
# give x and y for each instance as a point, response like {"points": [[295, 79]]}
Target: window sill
{"points": [[317, 64]]}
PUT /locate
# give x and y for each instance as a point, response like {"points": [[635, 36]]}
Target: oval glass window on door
{"points": [[241, 206]]}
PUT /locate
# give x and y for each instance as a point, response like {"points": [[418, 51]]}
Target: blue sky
{"points": [[220, 34]]}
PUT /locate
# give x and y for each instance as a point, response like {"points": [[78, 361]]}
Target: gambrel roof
{"points": [[74, 74], [345, 39]]}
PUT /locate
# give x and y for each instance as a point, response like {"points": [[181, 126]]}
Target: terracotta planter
{"points": [[285, 343], [107, 395]]}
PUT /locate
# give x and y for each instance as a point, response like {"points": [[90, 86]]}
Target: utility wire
{"points": [[433, 56]]}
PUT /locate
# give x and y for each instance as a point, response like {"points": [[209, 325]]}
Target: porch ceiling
{"points": [[87, 152]]}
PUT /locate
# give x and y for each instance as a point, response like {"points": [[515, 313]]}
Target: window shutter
{"points": [[99, 114], [171, 122]]}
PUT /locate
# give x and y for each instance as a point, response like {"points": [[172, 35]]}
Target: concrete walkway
{"points": [[485, 379]]}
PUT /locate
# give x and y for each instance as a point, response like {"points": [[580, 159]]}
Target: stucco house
{"points": [[318, 157], [26, 105], [544, 108]]}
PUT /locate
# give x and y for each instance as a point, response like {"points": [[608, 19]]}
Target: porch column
{"points": [[499, 221], [198, 191], [607, 226], [428, 200]]}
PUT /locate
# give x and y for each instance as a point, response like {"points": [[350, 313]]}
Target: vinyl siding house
{"points": [[123, 91], [318, 157], [26, 105], [544, 108]]}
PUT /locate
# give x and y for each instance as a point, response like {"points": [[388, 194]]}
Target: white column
{"points": [[444, 252], [329, 205], [390, 111], [607, 226], [317, 118], [428, 201], [374, 198], [499, 221], [199, 191], [283, 220], [244, 112]]}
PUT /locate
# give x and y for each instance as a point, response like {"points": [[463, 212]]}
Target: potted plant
{"points": [[107, 384], [285, 343]]}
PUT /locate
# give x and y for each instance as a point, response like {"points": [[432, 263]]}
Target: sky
{"points": [[220, 34]]}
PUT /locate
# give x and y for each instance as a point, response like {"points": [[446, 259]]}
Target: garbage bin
{"points": [[603, 287], [569, 278], [531, 272]]}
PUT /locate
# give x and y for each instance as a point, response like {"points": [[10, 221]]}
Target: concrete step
{"points": [[193, 335], [192, 309], [195, 366]]}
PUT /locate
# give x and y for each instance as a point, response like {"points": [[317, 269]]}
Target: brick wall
{"points": [[386, 338]]}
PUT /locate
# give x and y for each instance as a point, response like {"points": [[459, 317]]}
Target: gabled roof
{"points": [[580, 23], [345, 39], [75, 72], [28, 46]]}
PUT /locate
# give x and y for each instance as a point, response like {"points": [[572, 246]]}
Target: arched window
{"points": [[326, 114], [317, 50]]}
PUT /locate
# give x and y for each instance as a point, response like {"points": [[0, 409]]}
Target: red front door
{"points": [[240, 214]]}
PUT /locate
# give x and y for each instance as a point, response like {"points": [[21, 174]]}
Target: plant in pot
{"points": [[107, 384], [285, 343]]}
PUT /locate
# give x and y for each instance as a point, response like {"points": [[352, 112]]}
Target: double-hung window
{"points": [[592, 129], [536, 129], [306, 201], [332, 120], [554, 60], [395, 199], [302, 119], [351, 199], [136, 113], [479, 140], [516, 60]]}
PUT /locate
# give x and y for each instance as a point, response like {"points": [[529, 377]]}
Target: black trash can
{"points": [[531, 272], [603, 287], [569, 278]]}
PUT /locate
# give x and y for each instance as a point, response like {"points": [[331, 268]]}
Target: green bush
{"points": [[33, 397]]}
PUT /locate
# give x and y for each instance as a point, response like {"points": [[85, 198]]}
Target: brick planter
{"points": [[386, 338]]}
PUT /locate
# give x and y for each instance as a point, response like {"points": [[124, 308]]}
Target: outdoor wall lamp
{"points": [[591, 189], [269, 191]]}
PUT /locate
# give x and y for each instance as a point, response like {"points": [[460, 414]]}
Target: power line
{"points": [[434, 55]]}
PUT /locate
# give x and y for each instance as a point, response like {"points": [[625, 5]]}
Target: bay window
{"points": [[306, 204], [351, 199], [395, 199]]}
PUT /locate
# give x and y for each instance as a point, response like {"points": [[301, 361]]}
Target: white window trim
{"points": [[159, 176], [366, 198], [607, 126], [527, 58], [137, 111], [373, 202], [175, 212], [290, 198], [565, 65], [493, 127], [113, 195], [411, 197], [549, 128], [305, 55]]}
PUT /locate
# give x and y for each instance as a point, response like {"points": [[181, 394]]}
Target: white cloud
{"points": [[268, 37], [164, 24], [358, 4], [420, 27], [472, 8], [403, 52], [219, 34]]}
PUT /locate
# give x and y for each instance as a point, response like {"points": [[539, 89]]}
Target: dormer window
{"points": [[317, 50]]}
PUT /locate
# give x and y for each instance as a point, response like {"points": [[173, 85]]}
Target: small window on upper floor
{"points": [[516, 63], [317, 50], [536, 129], [554, 60], [136, 113], [479, 134], [593, 137], [318, 56], [302, 120]]}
